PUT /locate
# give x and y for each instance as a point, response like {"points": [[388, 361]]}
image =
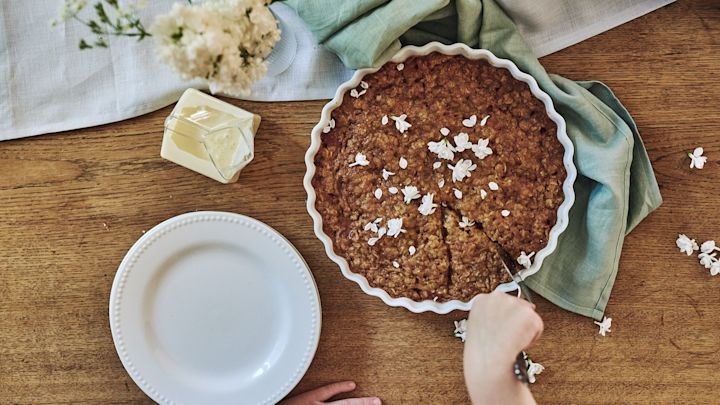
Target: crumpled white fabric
{"points": [[48, 85]]}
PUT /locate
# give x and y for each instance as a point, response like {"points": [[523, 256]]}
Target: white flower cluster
{"points": [[222, 41], [708, 252], [605, 325]]}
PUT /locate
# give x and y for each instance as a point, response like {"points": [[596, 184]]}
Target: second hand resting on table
{"points": [[499, 327]]}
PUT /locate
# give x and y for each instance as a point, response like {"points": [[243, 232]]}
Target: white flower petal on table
{"points": [[697, 160], [604, 325], [460, 329], [686, 244]]}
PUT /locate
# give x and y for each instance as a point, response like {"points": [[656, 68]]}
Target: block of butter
{"points": [[209, 136]]}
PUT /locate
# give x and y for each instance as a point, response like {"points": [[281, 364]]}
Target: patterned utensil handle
{"points": [[521, 367]]}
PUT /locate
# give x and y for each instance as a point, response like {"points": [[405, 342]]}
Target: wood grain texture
{"points": [[73, 203]]}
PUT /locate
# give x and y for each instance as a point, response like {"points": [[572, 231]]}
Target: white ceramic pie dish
{"points": [[402, 55]]}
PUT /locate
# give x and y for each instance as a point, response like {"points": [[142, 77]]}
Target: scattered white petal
{"points": [[444, 131], [460, 329], [360, 160], [458, 193], [386, 174], [364, 84], [435, 299], [442, 148], [400, 66], [604, 325], [412, 250], [410, 193], [470, 122], [372, 241], [400, 123], [484, 120], [393, 190], [396, 264], [686, 244], [395, 227], [697, 160], [437, 165], [378, 220], [370, 226], [462, 169], [524, 259], [466, 222], [505, 213], [427, 206], [329, 126], [378, 193], [709, 247], [462, 142], [384, 120], [403, 163], [533, 370], [354, 93], [483, 193], [493, 186], [481, 150], [441, 183], [382, 231]]}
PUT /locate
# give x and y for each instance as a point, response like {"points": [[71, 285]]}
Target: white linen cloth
{"points": [[48, 85]]}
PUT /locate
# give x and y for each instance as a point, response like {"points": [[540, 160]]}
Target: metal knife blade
{"points": [[518, 280]]}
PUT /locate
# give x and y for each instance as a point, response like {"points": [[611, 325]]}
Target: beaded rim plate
{"points": [[214, 307], [470, 53]]}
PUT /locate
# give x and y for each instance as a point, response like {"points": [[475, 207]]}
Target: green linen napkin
{"points": [[615, 188]]}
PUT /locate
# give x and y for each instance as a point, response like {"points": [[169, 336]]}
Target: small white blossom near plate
{"points": [[329, 126], [400, 66], [697, 160], [400, 123], [410, 193], [360, 160], [686, 245], [460, 329], [470, 122], [524, 259], [708, 257], [604, 325], [202, 302]]}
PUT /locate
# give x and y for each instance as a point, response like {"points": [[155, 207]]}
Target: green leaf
{"points": [[100, 10], [100, 41], [94, 27], [84, 45], [176, 37]]}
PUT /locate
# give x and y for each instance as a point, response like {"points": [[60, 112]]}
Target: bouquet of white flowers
{"points": [[224, 42]]}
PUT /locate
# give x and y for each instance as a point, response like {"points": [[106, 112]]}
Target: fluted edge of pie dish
{"points": [[470, 53]]}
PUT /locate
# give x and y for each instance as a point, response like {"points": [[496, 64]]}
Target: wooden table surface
{"points": [[73, 203]]}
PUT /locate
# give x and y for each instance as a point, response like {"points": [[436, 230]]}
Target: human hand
{"points": [[499, 327], [320, 395]]}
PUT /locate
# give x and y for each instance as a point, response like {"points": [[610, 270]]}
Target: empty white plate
{"points": [[214, 308]]}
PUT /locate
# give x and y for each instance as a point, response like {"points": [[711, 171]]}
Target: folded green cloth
{"points": [[615, 188]]}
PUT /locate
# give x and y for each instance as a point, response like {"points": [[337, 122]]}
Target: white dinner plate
{"points": [[214, 308]]}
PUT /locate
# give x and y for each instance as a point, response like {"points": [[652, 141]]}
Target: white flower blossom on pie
{"points": [[470, 122], [400, 123], [466, 222], [410, 193], [709, 247], [493, 186], [484, 120], [412, 250], [604, 325], [697, 160], [462, 142], [329, 126], [360, 160], [481, 150], [380, 233], [427, 207], [524, 259], [686, 244], [707, 259], [395, 227], [442, 148], [373, 226], [458, 193], [396, 264], [441, 183], [483, 193], [400, 66], [533, 370], [364, 84], [393, 190], [444, 131], [378, 193], [403, 163], [437, 165], [386, 174], [384, 120], [715, 268], [356, 94], [462, 169], [505, 213], [460, 329]]}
